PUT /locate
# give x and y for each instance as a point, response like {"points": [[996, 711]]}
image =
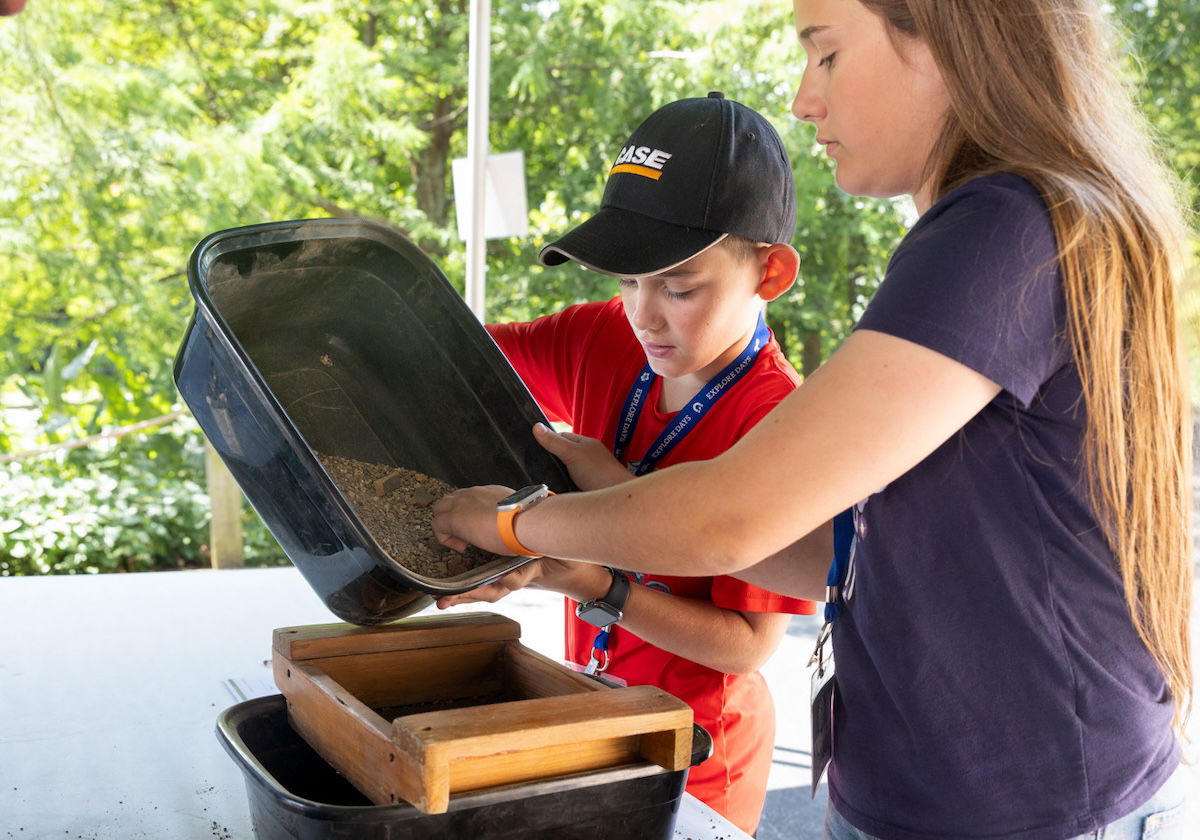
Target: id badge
{"points": [[611, 680], [824, 687]]}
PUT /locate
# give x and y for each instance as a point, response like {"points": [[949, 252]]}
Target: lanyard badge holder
{"points": [[824, 686]]}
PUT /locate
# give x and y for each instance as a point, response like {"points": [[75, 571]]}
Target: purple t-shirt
{"points": [[990, 680]]}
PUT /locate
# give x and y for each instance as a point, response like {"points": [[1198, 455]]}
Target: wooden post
{"points": [[225, 532]]}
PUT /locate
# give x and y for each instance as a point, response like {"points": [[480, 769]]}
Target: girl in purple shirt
{"points": [[1008, 424]]}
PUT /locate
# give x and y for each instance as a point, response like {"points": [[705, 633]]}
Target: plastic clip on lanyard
{"points": [[598, 663], [683, 422], [843, 539]]}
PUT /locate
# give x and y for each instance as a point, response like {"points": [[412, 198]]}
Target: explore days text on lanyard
{"points": [[686, 418], [824, 686], [681, 424]]}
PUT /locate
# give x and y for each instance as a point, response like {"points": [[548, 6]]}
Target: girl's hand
{"points": [[468, 517], [591, 464]]}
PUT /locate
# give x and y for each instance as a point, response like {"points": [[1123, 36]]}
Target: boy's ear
{"points": [[780, 265]]}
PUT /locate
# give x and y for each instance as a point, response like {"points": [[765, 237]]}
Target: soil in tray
{"points": [[394, 505], [393, 712]]}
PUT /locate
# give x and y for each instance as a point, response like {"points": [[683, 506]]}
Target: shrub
{"points": [[140, 506]]}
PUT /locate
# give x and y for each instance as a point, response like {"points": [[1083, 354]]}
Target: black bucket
{"points": [[294, 793], [340, 336]]}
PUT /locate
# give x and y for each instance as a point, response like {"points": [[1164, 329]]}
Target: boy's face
{"points": [[695, 318]]}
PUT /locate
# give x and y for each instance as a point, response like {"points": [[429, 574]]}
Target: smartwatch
{"points": [[507, 510], [601, 612]]}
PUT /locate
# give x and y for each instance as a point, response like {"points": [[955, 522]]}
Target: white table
{"points": [[110, 687]]}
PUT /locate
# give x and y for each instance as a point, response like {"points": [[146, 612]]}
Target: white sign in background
{"points": [[506, 212]]}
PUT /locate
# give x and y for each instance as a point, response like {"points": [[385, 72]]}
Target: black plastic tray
{"points": [[294, 793], [340, 336]]}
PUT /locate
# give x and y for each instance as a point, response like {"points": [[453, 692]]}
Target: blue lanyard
{"points": [[683, 422], [843, 542], [687, 417], [843, 539]]}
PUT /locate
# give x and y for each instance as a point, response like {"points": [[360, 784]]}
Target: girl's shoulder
{"points": [[1005, 185], [995, 194], [977, 280], [997, 213]]}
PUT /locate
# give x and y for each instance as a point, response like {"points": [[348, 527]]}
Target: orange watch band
{"points": [[505, 524]]}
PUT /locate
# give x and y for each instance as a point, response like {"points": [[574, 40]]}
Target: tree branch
{"points": [[214, 107], [88, 441]]}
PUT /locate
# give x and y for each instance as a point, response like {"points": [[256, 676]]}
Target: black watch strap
{"points": [[609, 609], [618, 593]]}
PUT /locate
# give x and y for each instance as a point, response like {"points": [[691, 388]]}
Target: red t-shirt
{"points": [[579, 365]]}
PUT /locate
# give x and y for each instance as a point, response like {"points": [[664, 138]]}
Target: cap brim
{"points": [[627, 244]]}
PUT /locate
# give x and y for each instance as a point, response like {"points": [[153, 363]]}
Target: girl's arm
{"points": [[879, 406]]}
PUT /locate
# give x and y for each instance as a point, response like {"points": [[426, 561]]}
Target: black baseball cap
{"points": [[694, 171]]}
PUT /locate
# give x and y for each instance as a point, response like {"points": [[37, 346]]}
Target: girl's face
{"points": [[877, 101]]}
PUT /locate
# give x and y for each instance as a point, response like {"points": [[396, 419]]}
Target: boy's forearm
{"points": [[581, 581], [725, 640]]}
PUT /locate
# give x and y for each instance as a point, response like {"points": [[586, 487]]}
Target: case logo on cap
{"points": [[640, 160]]}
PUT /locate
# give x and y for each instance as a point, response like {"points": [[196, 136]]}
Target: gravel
{"points": [[399, 520]]}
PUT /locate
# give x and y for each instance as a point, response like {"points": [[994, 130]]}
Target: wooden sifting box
{"points": [[432, 706]]}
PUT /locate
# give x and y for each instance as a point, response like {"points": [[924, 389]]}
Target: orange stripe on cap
{"points": [[634, 169]]}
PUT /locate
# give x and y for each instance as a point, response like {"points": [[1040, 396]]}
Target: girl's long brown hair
{"points": [[1034, 88]]}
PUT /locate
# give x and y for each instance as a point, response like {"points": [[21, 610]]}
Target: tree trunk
{"points": [[430, 167], [810, 353]]}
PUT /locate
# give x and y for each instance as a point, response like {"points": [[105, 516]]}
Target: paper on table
{"points": [[249, 686], [697, 821]]}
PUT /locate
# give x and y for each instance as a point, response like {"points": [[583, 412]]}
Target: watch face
{"points": [[597, 614], [523, 497]]}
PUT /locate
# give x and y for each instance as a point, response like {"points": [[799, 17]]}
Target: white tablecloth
{"points": [[110, 687]]}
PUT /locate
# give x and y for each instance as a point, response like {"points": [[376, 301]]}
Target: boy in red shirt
{"points": [[695, 221]]}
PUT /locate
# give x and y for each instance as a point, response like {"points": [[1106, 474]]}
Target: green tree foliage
{"points": [[1164, 63], [141, 127], [134, 128], [116, 509]]}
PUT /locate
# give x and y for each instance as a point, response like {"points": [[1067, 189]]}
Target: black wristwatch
{"points": [[601, 612]]}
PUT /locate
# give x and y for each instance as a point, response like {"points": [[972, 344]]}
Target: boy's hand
{"points": [[468, 517], [492, 592], [591, 464], [581, 581]]}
